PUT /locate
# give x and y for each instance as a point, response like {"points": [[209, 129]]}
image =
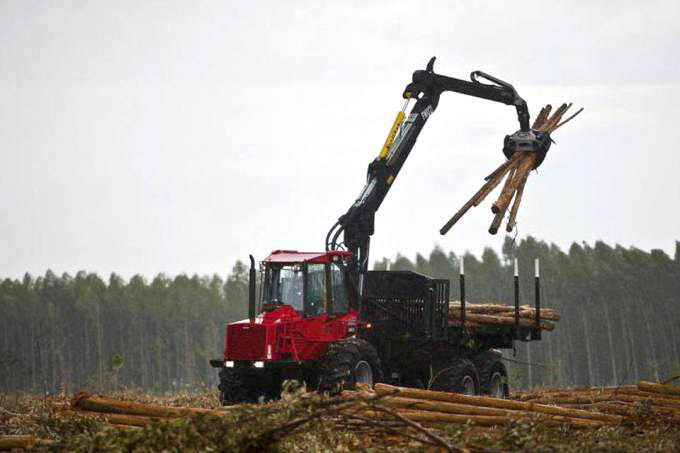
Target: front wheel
{"points": [[242, 385], [347, 363], [234, 389]]}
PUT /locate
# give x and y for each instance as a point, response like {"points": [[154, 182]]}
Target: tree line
{"points": [[620, 312]]}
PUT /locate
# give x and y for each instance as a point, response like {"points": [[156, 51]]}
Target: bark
{"points": [[587, 399], [495, 179], [441, 406], [487, 420], [115, 419], [23, 442], [507, 321], [507, 191], [665, 389], [515, 205], [507, 310]]}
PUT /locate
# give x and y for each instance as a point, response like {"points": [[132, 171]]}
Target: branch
{"points": [[441, 442]]}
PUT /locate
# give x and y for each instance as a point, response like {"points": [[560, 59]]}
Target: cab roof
{"points": [[295, 257]]}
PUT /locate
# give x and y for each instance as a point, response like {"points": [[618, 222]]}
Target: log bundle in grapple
{"points": [[516, 171]]}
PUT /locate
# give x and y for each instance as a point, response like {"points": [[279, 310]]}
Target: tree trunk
{"points": [[610, 339], [650, 339], [589, 355]]}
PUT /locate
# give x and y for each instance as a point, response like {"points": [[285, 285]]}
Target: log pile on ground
{"points": [[478, 316], [625, 418], [516, 171], [443, 407], [634, 401]]}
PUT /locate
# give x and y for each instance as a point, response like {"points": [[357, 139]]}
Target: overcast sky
{"points": [[179, 136]]}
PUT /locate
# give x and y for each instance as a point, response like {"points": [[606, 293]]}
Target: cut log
{"points": [[486, 420], [608, 397], [627, 409], [512, 220], [577, 391], [542, 116], [114, 419], [665, 389], [508, 321], [441, 406], [495, 179], [495, 208], [86, 402], [485, 401], [23, 442], [504, 310]]}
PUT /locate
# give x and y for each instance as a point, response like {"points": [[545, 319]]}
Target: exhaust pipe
{"points": [[251, 290]]}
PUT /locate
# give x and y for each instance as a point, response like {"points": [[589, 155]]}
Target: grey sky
{"points": [[145, 137]]}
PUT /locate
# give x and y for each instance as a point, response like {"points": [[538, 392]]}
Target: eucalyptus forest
{"points": [[620, 309]]}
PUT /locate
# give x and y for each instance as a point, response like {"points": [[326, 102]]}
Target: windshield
{"points": [[286, 287]]}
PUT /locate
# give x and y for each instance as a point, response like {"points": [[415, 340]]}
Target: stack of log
{"points": [[417, 405], [643, 399], [443, 407], [517, 170], [386, 404], [488, 315]]}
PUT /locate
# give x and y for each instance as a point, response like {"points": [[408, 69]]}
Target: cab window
{"points": [[339, 290], [285, 286], [316, 289]]}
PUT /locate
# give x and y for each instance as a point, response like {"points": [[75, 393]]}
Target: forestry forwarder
{"points": [[326, 320]]}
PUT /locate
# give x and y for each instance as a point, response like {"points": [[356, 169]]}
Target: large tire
{"points": [[347, 363], [233, 389], [237, 387], [458, 376], [494, 379]]}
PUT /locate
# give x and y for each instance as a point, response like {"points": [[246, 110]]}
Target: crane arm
{"points": [[357, 224]]}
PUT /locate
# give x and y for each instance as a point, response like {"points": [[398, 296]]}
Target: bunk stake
{"points": [[536, 332], [462, 292], [517, 331]]}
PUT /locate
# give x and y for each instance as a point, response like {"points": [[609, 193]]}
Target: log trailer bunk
{"points": [[326, 320]]}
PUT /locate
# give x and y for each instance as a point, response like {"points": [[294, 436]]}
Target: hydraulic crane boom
{"points": [[358, 223]]}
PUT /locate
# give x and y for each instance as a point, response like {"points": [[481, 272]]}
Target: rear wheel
{"points": [[494, 379], [347, 363], [459, 376]]}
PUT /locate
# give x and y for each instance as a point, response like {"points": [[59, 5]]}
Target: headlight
{"points": [[258, 364], [229, 364]]}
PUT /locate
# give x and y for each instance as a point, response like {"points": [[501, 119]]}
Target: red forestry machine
{"points": [[324, 319]]}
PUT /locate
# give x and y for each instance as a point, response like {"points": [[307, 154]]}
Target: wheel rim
{"points": [[468, 386], [363, 374], [496, 386]]}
